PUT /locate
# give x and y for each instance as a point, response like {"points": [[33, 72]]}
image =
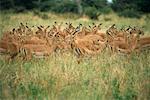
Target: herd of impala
{"points": [[41, 41]]}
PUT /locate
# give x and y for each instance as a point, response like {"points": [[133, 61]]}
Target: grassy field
{"points": [[60, 77]]}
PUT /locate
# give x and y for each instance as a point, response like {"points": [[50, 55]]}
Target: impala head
{"points": [[96, 27], [80, 24], [139, 31], [99, 25], [70, 25], [136, 31], [112, 30], [129, 28]]}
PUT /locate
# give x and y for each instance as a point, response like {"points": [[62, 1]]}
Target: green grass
{"points": [[60, 77], [11, 20]]}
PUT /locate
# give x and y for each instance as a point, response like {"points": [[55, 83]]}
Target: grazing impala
{"points": [[120, 40], [82, 40]]}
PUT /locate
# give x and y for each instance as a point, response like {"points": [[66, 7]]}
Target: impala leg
{"points": [[28, 55]]}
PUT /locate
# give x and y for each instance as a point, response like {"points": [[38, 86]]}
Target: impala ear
{"points": [[128, 29], [100, 24], [134, 28], [108, 33], [21, 24], [113, 25], [47, 28], [39, 28], [141, 33], [122, 28], [13, 29], [27, 27], [80, 24]]}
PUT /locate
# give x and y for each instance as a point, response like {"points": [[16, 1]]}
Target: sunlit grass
{"points": [[11, 20], [60, 77]]}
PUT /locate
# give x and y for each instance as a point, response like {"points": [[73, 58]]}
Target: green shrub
{"points": [[66, 6], [19, 9], [105, 10], [130, 13], [92, 12]]}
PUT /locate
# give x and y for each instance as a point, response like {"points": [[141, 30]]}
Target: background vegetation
{"points": [[92, 8]]}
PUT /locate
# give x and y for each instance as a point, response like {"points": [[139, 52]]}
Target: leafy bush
{"points": [[130, 13], [19, 9], [92, 12], [66, 6], [106, 10]]}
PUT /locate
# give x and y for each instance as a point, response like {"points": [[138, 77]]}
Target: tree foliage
{"points": [[92, 8], [131, 8]]}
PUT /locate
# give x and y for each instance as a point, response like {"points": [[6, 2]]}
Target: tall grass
{"points": [[60, 77]]}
